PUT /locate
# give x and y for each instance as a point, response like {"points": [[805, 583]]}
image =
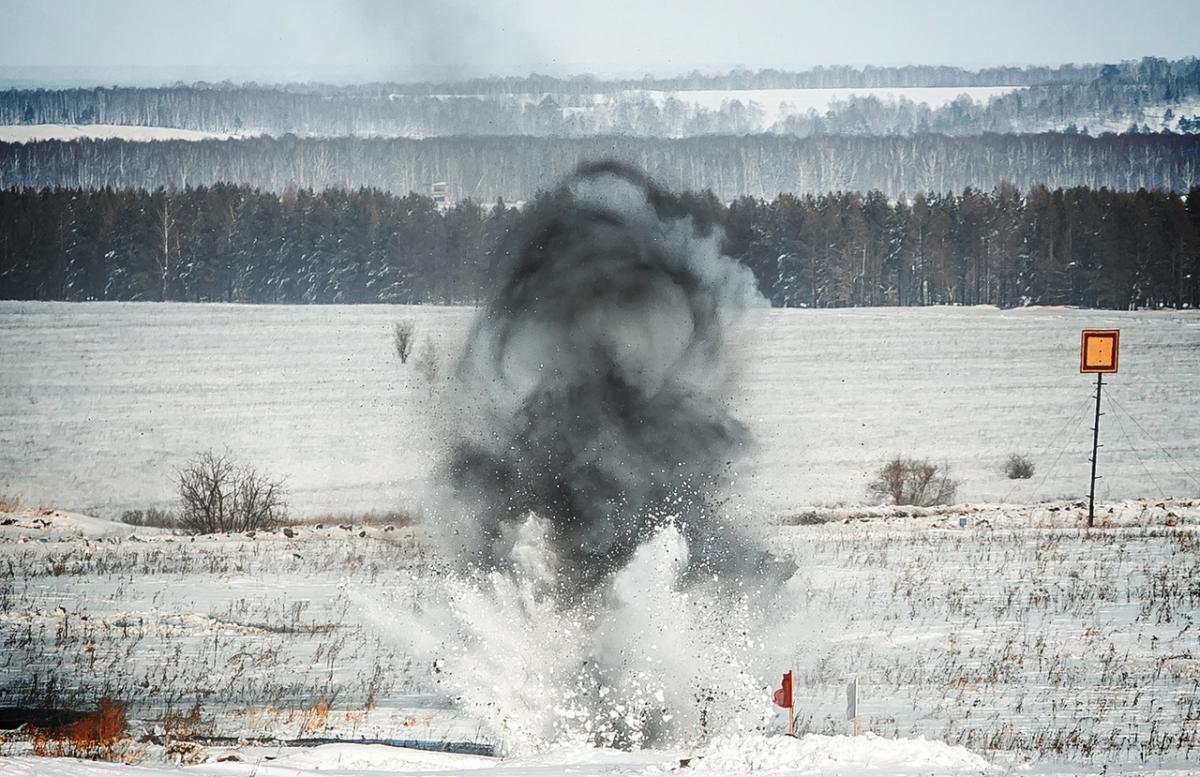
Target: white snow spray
{"points": [[602, 595]]}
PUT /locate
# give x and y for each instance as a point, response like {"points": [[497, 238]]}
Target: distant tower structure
{"points": [[439, 192]]}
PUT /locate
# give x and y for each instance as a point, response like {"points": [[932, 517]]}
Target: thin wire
{"points": [[1050, 444], [1136, 455], [1047, 449], [1073, 422], [1175, 461]]}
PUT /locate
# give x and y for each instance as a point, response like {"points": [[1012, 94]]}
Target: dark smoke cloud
{"points": [[597, 377]]}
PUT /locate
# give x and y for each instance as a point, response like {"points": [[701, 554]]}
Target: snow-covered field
{"points": [[810, 756], [27, 133], [987, 640], [100, 402]]}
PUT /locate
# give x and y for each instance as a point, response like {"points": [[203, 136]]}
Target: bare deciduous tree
{"points": [[914, 482], [221, 495], [165, 226], [404, 333]]}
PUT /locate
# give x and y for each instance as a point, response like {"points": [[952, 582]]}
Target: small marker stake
{"points": [[852, 702], [783, 698]]}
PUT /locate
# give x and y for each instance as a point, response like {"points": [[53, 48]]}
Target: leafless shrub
{"points": [[807, 518], [221, 495], [1018, 467], [404, 335], [914, 482], [9, 504], [427, 363]]}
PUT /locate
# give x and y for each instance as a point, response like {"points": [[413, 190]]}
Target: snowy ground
{"points": [[99, 402], [997, 632], [810, 756], [27, 133], [1019, 640]]}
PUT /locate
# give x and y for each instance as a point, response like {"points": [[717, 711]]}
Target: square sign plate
{"points": [[1098, 350]]}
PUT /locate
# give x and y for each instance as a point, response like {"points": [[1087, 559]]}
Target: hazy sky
{"points": [[354, 39]]}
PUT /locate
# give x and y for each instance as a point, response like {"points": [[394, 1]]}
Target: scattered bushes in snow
{"points": [[914, 482], [219, 494], [427, 362], [1018, 467], [9, 504], [404, 335]]}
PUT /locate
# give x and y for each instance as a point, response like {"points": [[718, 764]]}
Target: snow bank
{"points": [[379, 758], [28, 133], [815, 754], [56, 524]]}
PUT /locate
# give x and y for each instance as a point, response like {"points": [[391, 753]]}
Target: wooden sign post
{"points": [[1098, 354]]}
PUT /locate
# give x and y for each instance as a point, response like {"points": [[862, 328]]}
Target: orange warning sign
{"points": [[1098, 350]]}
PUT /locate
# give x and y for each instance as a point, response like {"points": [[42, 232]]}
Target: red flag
{"points": [[783, 696]]}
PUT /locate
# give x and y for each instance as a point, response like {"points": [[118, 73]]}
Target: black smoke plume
{"points": [[596, 379]]}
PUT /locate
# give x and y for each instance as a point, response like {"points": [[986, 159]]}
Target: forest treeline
{"points": [[515, 168], [1151, 94], [1078, 246]]}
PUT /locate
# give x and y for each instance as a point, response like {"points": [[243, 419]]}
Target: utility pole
{"points": [[1095, 448]]}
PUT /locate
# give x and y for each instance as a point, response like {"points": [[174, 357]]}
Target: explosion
{"points": [[601, 594], [597, 377]]}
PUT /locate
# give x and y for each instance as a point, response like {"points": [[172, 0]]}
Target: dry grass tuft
{"points": [[315, 718], [97, 735]]}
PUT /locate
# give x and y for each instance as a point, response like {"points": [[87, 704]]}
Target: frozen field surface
{"points": [[100, 402], [998, 636], [987, 640], [27, 133], [811, 756]]}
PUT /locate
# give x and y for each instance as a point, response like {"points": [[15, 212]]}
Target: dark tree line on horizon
{"points": [[1151, 94], [516, 168], [1079, 246]]}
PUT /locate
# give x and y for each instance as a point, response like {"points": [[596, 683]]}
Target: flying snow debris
{"points": [[599, 373]]}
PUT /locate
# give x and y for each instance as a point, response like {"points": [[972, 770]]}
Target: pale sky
{"points": [[99, 41]]}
